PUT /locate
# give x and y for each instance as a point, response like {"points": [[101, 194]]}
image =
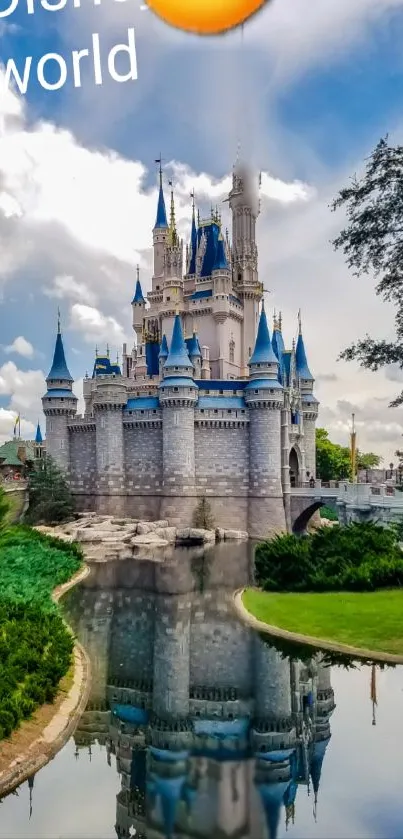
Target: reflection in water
{"points": [[214, 730]]}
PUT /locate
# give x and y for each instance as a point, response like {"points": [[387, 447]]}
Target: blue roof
{"points": [[164, 351], [309, 397], [167, 756], [278, 756], [221, 384], [199, 295], [301, 363], [235, 299], [38, 436], [211, 232], [59, 393], [273, 800], [221, 402], [278, 343], [263, 352], [193, 247], [222, 728], [178, 354], [286, 364], [220, 261], [178, 381], [59, 369], [170, 790], [264, 384], [102, 366], [138, 294], [142, 403], [130, 714], [161, 220], [116, 369], [193, 346], [315, 768]]}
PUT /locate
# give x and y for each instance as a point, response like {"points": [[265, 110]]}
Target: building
{"points": [[18, 456], [207, 403]]}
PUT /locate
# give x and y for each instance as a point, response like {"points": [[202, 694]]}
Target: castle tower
{"points": [[192, 253], [39, 446], [163, 354], [265, 400], [279, 350], [160, 234], [138, 309], [178, 396], [195, 355], [221, 276], [171, 656], [309, 403], [244, 204], [109, 400], [59, 405]]}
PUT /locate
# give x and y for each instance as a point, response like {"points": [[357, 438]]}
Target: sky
{"points": [[308, 91]]}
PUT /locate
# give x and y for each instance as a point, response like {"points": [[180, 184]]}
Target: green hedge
{"points": [[358, 557], [35, 646]]}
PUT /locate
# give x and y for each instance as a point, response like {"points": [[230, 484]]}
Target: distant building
{"points": [[18, 456]]}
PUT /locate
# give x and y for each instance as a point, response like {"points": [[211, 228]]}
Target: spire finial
{"points": [[58, 320], [159, 161], [192, 195], [293, 344], [198, 218], [172, 222], [280, 321], [117, 358], [107, 350], [138, 272], [299, 322], [96, 351]]}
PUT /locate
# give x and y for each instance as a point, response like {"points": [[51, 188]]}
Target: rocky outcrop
{"points": [[105, 538]]}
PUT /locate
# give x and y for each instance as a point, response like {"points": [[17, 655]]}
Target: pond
{"points": [[198, 727]]}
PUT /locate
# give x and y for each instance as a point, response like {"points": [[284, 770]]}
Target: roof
{"points": [[130, 714], [278, 343], [142, 403], [220, 262], [301, 363], [164, 351], [193, 346], [222, 728], [59, 369], [309, 397], [177, 381], [319, 750], [273, 798], [211, 231], [199, 295], [263, 352], [178, 354], [138, 294], [221, 384], [161, 220], [226, 403], [59, 393], [287, 364], [38, 436], [9, 452], [193, 247], [264, 384]]}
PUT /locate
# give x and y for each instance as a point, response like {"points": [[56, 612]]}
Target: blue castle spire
{"points": [[193, 347], [263, 352], [59, 369], [303, 371], [138, 294], [161, 220], [178, 354], [38, 436], [272, 795], [220, 262], [164, 351], [193, 240]]}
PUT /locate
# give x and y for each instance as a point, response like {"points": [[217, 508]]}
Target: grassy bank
{"points": [[370, 620], [35, 646]]}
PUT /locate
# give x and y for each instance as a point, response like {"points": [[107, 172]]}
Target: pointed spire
{"points": [[107, 350], [220, 262], [193, 238], [178, 353], [263, 352], [164, 351], [301, 364], [280, 321], [38, 436], [173, 236], [193, 346], [59, 369], [161, 220], [138, 294]]}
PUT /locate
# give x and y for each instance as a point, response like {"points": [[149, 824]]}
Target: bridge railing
{"points": [[379, 495]]}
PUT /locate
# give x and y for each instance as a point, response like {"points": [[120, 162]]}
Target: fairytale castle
{"points": [[207, 404]]}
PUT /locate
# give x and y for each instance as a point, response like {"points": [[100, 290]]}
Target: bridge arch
{"points": [[301, 522]]}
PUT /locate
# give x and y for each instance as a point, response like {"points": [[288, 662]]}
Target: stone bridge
{"points": [[352, 502]]}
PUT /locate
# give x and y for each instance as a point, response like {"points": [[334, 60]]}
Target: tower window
{"points": [[176, 389]]}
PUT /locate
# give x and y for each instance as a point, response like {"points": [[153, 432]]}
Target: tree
{"points": [[50, 499], [372, 242], [333, 462], [203, 516]]}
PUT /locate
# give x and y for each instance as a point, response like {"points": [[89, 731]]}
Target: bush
{"points": [[203, 516], [328, 513], [50, 499], [358, 557], [35, 645]]}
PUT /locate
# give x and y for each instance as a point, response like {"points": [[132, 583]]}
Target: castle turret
{"points": [[138, 309], [178, 396], [221, 276], [279, 350], [59, 405], [160, 234], [191, 266], [39, 446], [163, 354], [195, 355], [265, 400], [110, 398], [309, 403], [244, 203]]}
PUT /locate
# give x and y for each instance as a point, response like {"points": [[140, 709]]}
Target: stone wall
{"points": [[83, 464]]}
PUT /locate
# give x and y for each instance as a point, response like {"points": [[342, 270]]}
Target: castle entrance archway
{"points": [[294, 468]]}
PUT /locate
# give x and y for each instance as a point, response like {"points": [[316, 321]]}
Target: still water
{"points": [[197, 727]]}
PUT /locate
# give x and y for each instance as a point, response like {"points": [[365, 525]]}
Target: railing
{"points": [[383, 495]]}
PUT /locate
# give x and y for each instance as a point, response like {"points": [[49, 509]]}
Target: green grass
{"points": [[370, 620]]}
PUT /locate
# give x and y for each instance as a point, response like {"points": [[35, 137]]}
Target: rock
{"points": [[220, 534], [235, 535], [159, 524], [168, 533], [143, 527], [149, 539]]}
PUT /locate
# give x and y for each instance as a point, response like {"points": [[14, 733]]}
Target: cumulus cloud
{"points": [[96, 327], [7, 422], [20, 346]]}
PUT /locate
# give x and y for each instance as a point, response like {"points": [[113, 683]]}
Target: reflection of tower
{"points": [[171, 656], [321, 734], [374, 698]]}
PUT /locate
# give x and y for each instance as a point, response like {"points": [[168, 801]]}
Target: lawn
{"points": [[370, 620]]}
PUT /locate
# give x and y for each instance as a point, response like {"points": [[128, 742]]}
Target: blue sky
{"points": [[310, 92]]}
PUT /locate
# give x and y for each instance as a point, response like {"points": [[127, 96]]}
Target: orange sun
{"points": [[205, 17]]}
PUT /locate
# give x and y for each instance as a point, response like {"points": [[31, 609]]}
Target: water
{"points": [[166, 645]]}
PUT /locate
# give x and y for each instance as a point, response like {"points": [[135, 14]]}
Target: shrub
{"points": [[358, 557], [50, 499], [328, 513], [203, 516]]}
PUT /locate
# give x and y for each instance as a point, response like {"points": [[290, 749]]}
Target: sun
{"points": [[205, 17]]}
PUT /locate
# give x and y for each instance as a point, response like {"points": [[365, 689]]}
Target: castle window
{"points": [[141, 412], [229, 411], [176, 389], [157, 288], [232, 351], [168, 299], [239, 278], [221, 392], [215, 411], [256, 391], [250, 351]]}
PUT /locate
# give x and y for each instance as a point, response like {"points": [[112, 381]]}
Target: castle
{"points": [[207, 404]]}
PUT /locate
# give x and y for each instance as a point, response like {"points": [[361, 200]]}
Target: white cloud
{"points": [[20, 346], [7, 421], [96, 327], [66, 287]]}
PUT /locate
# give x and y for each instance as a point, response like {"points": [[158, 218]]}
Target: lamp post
{"points": [[391, 465]]}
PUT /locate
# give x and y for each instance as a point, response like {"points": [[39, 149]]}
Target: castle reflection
{"points": [[214, 731]]}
